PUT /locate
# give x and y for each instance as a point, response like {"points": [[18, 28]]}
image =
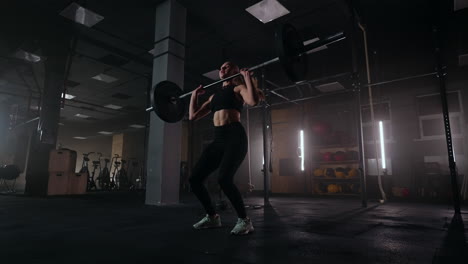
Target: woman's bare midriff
{"points": [[226, 116]]}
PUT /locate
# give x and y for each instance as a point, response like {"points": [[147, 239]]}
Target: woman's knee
{"points": [[225, 182]]}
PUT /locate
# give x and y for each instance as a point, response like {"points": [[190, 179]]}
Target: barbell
{"points": [[166, 96]]}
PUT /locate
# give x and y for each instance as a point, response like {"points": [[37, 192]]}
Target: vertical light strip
{"points": [[301, 146], [382, 146]]}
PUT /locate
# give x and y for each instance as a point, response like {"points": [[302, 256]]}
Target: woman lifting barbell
{"points": [[229, 147]]}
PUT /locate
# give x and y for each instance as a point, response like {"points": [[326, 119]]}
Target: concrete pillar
{"points": [[4, 124], [55, 45], [164, 143]]}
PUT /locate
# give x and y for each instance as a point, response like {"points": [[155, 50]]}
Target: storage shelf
{"points": [[335, 179], [336, 162], [339, 194], [348, 145]]}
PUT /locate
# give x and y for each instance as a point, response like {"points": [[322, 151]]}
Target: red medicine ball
{"points": [[327, 156], [321, 128], [339, 156]]}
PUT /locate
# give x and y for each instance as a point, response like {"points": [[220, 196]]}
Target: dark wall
{"points": [[95, 143]]}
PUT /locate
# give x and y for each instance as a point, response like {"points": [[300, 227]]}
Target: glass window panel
{"points": [[432, 127], [368, 128], [430, 105], [435, 126], [381, 112]]}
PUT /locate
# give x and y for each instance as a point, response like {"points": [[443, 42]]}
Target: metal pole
{"points": [[448, 134], [266, 156], [248, 148], [307, 98], [371, 104], [360, 137], [25, 123], [401, 79], [354, 20], [311, 81], [146, 148]]}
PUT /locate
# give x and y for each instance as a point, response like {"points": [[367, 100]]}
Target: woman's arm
{"points": [[202, 111], [248, 92]]}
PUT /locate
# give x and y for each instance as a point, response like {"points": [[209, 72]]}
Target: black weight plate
{"points": [[166, 102], [289, 45]]}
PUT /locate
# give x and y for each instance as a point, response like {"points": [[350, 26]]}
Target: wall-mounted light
{"points": [[301, 147], [382, 145]]}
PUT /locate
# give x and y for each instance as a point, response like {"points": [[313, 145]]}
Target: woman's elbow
{"points": [[252, 102]]}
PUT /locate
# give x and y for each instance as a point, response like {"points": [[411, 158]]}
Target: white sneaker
{"points": [[208, 222], [243, 227]]}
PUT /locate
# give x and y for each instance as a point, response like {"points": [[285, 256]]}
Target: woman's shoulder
{"points": [[239, 87]]}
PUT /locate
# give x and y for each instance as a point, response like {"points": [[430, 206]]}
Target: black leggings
{"points": [[226, 152]]}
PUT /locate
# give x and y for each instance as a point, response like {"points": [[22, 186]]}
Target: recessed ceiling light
{"points": [[27, 56], [137, 126], [460, 4], [330, 87], [81, 15], [69, 96], [81, 116], [105, 78], [111, 106], [105, 132], [463, 60], [213, 75], [267, 10], [79, 137]]}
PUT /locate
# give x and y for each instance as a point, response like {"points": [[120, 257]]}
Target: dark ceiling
{"points": [[216, 31]]}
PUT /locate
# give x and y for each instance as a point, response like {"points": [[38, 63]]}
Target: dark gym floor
{"points": [[119, 228]]}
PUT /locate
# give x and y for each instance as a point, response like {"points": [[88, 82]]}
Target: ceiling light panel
{"points": [[330, 87], [68, 96], [81, 15], [27, 56], [105, 78], [267, 10], [81, 116], [460, 4], [463, 60], [115, 107]]}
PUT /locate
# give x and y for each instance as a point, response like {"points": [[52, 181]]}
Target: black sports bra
{"points": [[225, 98]]}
